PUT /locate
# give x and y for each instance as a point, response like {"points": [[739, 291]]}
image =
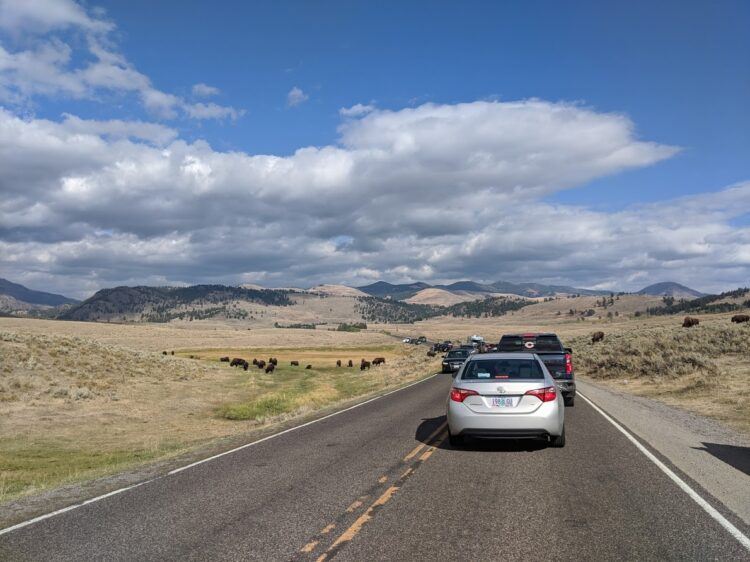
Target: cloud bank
{"points": [[436, 192]]}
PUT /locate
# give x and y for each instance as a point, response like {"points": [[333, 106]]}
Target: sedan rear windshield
{"points": [[458, 354], [503, 369], [538, 344]]}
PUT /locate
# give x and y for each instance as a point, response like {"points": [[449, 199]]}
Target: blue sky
{"points": [[676, 68], [665, 85]]}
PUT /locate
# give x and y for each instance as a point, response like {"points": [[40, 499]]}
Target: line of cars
{"points": [[517, 390]]}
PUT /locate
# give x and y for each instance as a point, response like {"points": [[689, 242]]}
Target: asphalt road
{"points": [[379, 482]]}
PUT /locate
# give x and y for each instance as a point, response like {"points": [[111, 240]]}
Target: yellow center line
{"points": [[328, 528], [419, 447], [309, 547]]}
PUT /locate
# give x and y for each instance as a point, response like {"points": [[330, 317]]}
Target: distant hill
{"points": [[162, 304], [670, 289], [29, 296], [383, 290]]}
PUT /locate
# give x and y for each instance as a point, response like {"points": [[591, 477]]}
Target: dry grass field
{"points": [[80, 400]]}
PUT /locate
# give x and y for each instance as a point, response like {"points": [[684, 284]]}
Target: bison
{"points": [[172, 352], [364, 365], [163, 352], [236, 361], [261, 364], [351, 363], [273, 361], [431, 353], [740, 318], [255, 361], [224, 359], [689, 322], [338, 362], [245, 365], [597, 336], [294, 363], [378, 361], [308, 367], [270, 367]]}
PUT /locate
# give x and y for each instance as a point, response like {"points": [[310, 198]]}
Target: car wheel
{"points": [[570, 401], [559, 440], [455, 440]]}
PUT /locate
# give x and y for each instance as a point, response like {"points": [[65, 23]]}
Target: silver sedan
{"points": [[505, 395]]}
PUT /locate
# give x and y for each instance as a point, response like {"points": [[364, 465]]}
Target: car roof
{"points": [[508, 355]]}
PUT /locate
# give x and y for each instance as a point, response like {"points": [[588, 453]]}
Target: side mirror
{"points": [[453, 375], [569, 350]]}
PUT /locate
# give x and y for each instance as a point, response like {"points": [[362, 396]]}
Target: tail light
{"points": [[544, 394], [460, 394], [568, 364]]}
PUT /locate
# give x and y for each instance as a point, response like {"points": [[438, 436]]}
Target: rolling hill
{"points": [[670, 289], [31, 297]]}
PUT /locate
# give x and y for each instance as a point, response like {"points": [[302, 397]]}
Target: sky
{"points": [[603, 145]]}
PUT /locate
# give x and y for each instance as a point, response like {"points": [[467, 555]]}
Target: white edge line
{"points": [[707, 507], [176, 470]]}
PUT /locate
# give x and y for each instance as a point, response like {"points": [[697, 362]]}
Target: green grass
{"points": [[30, 466]]}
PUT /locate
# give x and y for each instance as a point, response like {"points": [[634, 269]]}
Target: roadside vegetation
{"points": [[705, 369], [72, 408]]}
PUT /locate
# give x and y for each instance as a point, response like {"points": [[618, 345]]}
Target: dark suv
{"points": [[556, 357], [453, 360]]}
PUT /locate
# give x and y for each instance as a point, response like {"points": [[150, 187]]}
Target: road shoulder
{"points": [[716, 457]]}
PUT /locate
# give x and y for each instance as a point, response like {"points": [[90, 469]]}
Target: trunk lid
{"points": [[503, 397]]}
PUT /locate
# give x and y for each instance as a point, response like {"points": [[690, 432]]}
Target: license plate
{"points": [[503, 402]]}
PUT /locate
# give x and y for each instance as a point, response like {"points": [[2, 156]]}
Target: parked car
{"points": [[453, 360], [549, 348], [505, 395], [406, 340]]}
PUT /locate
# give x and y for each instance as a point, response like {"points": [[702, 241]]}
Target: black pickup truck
{"points": [[556, 357]]}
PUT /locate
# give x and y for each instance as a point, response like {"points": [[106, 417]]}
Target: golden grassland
{"points": [[79, 400], [74, 407]]}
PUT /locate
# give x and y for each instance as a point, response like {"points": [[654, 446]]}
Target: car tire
{"points": [[455, 440], [569, 401], [558, 441]]}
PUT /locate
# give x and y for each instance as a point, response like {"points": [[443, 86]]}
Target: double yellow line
{"points": [[431, 443]]}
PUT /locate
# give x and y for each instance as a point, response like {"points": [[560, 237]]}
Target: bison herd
{"points": [[270, 366]]}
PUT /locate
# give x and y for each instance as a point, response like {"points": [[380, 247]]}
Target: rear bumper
{"points": [[547, 420], [566, 387]]}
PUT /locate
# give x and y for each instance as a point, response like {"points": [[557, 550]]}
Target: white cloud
{"points": [[212, 111], [204, 90], [54, 68], [46, 15], [356, 110], [434, 192], [295, 97]]}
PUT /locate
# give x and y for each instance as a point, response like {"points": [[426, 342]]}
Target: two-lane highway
{"points": [[380, 482]]}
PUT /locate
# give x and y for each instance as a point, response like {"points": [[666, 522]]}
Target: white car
{"points": [[406, 340], [505, 395]]}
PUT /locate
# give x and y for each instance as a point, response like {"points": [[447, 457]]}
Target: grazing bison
{"points": [[224, 359], [273, 361], [261, 364], [245, 365], [364, 365], [597, 336], [351, 363], [236, 361], [338, 362], [270, 368], [431, 353], [740, 318], [308, 367], [294, 363], [172, 352], [378, 361], [163, 352], [689, 322]]}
